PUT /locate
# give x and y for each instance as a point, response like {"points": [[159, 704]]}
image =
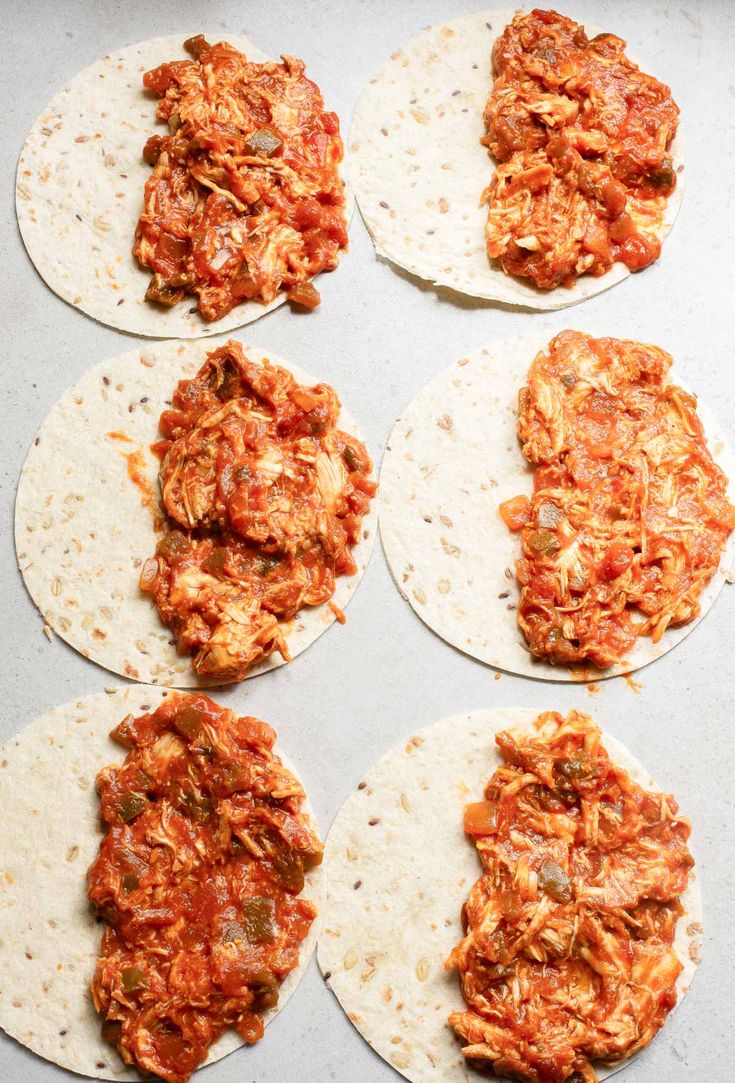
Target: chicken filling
{"points": [[245, 200], [582, 140], [264, 498], [198, 879], [568, 953], [629, 514]]}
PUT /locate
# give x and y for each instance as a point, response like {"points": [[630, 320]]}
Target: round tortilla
{"points": [[51, 831], [82, 532], [451, 460], [79, 193], [399, 867], [418, 169]]}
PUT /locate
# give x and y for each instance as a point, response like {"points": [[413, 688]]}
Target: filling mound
{"points": [[264, 499], [245, 199], [582, 140], [568, 955], [198, 879], [629, 514]]}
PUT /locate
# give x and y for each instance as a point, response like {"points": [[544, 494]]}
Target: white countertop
{"points": [[378, 337]]}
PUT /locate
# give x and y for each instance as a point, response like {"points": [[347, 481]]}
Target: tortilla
{"points": [[399, 869], [51, 831], [451, 460], [418, 169], [79, 193], [82, 532]]}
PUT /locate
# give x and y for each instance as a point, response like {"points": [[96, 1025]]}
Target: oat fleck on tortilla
{"points": [[350, 959], [420, 596]]}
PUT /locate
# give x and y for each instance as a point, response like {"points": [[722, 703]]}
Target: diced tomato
{"points": [[480, 818], [516, 512]]}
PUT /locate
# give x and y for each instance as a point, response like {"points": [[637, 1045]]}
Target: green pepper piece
{"points": [[554, 882], [188, 722], [264, 143], [130, 882], [576, 767], [173, 545], [215, 562], [289, 870], [543, 542], [265, 987], [131, 805], [350, 457], [259, 917], [133, 980]]}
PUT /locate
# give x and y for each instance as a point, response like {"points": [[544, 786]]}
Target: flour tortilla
{"points": [[82, 533], [79, 193], [418, 169], [51, 832], [452, 459], [395, 890]]}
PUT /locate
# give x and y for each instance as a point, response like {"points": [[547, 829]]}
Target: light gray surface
{"points": [[378, 337]]}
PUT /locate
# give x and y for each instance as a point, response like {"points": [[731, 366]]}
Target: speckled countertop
{"points": [[378, 337]]}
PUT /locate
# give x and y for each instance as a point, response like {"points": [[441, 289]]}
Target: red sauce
{"points": [[629, 514]]}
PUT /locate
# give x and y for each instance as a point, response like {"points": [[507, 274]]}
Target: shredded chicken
{"points": [[245, 199], [629, 514], [568, 955], [198, 879], [265, 499], [582, 139]]}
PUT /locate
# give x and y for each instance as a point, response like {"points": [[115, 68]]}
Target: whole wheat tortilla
{"points": [[50, 939], [82, 532], [399, 867], [79, 193], [418, 169], [451, 460]]}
